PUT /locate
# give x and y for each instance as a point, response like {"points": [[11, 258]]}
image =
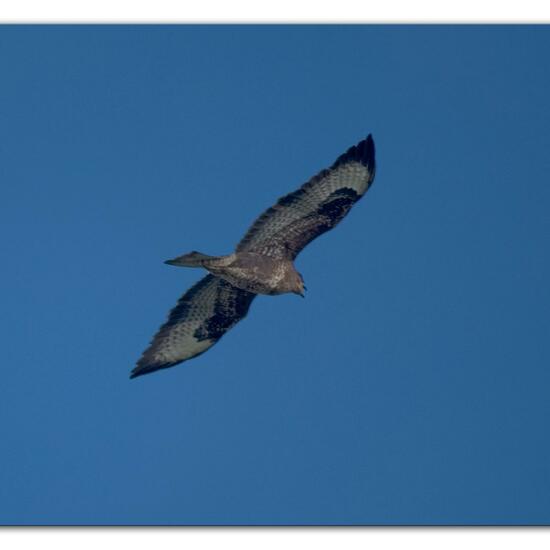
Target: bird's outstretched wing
{"points": [[283, 230], [201, 317]]}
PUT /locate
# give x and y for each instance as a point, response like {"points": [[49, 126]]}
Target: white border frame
{"points": [[278, 11]]}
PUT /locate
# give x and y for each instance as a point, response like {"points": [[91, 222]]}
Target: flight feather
{"points": [[201, 317], [283, 230]]}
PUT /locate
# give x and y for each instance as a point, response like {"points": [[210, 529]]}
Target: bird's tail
{"points": [[193, 259]]}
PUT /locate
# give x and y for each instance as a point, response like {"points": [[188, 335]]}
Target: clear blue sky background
{"points": [[410, 386]]}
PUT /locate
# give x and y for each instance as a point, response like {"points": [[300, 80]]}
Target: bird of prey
{"points": [[263, 262]]}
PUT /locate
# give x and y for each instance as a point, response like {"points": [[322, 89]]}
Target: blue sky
{"points": [[409, 387]]}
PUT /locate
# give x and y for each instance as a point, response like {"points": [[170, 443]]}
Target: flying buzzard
{"points": [[262, 262]]}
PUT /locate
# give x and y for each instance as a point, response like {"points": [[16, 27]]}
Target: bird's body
{"points": [[263, 262], [249, 271]]}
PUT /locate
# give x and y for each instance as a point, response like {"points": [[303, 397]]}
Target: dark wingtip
{"points": [[140, 370], [363, 152], [368, 155]]}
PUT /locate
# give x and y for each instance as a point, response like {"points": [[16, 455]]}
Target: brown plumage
{"points": [[262, 262]]}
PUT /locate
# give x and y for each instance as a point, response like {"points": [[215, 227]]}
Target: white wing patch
{"points": [[180, 345]]}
